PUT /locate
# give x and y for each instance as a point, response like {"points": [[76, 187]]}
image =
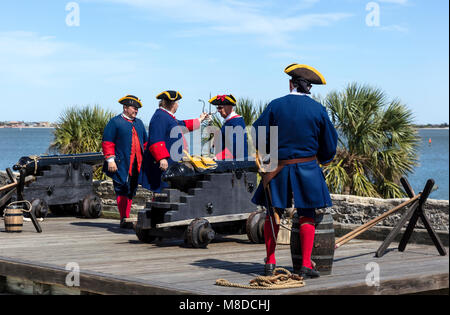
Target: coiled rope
{"points": [[281, 279]]}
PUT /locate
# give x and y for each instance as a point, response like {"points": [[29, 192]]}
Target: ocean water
{"points": [[433, 163], [433, 157]]}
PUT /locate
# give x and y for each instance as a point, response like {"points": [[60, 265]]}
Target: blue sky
{"points": [[203, 47]]}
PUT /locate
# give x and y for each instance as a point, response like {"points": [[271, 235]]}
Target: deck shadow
{"points": [[250, 268], [359, 255], [111, 227]]}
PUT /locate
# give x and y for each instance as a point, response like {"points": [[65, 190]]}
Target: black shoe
{"points": [[126, 225], [307, 273], [268, 269]]}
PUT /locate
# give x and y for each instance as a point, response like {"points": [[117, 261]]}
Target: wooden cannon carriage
{"points": [[200, 204], [59, 183]]}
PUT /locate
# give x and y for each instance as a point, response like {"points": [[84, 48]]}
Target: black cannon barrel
{"points": [[33, 164], [184, 169], [184, 176]]}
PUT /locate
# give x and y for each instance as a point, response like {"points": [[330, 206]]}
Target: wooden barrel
{"points": [[323, 250], [13, 216]]}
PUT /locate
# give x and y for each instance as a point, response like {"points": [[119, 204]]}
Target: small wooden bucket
{"points": [[323, 250], [13, 216]]}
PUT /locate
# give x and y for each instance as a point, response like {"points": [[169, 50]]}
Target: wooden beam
{"points": [[89, 281]]}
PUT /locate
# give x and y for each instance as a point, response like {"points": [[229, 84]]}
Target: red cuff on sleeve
{"points": [[224, 155], [192, 124], [159, 151], [109, 149]]}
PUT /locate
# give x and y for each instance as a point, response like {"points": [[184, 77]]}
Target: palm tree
{"points": [[80, 130], [377, 143]]}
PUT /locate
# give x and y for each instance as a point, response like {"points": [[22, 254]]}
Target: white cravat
{"points": [[232, 114], [126, 117]]}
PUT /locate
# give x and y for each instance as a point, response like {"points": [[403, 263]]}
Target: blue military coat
{"points": [[233, 148], [160, 145], [117, 141], [304, 130]]}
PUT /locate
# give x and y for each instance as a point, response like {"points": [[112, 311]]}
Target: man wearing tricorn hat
{"points": [[124, 141], [163, 126], [234, 136], [306, 137]]}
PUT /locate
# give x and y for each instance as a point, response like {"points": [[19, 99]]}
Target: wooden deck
{"points": [[113, 261]]}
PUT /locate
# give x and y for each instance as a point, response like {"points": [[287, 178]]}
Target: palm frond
{"points": [[375, 131]]}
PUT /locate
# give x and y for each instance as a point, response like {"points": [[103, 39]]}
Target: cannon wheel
{"points": [[255, 227], [91, 206], [39, 208], [144, 235], [199, 233]]}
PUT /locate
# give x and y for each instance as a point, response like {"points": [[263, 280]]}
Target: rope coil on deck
{"points": [[281, 279]]}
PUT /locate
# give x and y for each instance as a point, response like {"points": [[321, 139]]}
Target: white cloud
{"points": [[238, 17], [30, 58]]}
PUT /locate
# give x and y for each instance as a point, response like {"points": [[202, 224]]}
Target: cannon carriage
{"points": [[198, 206], [61, 184]]}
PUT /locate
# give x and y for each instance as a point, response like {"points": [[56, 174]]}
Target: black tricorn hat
{"points": [[306, 72], [223, 100], [172, 96], [131, 100]]}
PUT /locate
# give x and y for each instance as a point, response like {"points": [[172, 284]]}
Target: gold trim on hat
{"points": [[130, 98], [226, 97], [170, 97], [294, 66]]}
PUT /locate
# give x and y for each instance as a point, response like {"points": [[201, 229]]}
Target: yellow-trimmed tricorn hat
{"points": [[131, 100], [222, 100], [172, 96], [306, 72]]}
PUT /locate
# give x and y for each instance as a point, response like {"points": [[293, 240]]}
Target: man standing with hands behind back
{"points": [[124, 142], [306, 138]]}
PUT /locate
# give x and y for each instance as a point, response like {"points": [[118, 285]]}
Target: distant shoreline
{"points": [[27, 127], [2, 127]]}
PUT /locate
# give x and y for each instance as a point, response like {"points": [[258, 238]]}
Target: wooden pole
{"points": [[8, 187], [349, 236], [14, 185]]}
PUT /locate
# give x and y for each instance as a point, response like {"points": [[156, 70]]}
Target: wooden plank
{"points": [[113, 261], [89, 281]]}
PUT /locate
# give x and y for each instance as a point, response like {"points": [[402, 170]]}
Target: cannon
{"points": [[59, 183], [200, 204]]}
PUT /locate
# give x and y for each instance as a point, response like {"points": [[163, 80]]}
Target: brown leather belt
{"points": [[267, 177]]}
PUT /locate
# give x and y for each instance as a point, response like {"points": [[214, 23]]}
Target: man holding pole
{"points": [[306, 137]]}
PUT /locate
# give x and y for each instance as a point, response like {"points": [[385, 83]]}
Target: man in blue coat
{"points": [[234, 135], [124, 141], [166, 140], [306, 138]]}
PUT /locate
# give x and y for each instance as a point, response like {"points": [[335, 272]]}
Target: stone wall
{"points": [[105, 190], [3, 178], [359, 210]]}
